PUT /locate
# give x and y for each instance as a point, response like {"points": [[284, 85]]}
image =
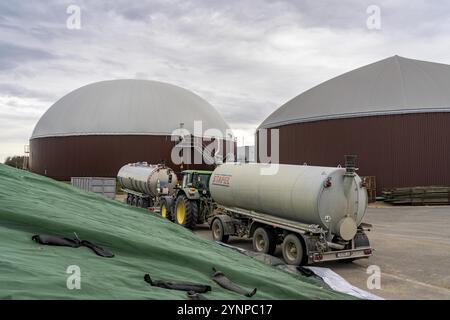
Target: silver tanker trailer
{"points": [[145, 183], [315, 213]]}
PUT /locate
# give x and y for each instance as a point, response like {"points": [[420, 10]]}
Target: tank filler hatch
{"points": [[350, 164]]}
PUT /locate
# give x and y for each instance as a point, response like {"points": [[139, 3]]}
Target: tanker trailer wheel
{"points": [[218, 231], [165, 211], [186, 212], [134, 201], [140, 203], [129, 199], [292, 249], [264, 240]]}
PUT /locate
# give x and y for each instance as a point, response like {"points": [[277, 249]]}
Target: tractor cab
{"points": [[196, 179]]}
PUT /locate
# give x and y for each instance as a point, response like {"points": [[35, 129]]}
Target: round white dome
{"points": [[394, 85], [127, 107]]}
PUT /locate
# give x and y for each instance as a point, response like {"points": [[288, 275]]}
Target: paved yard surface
{"points": [[412, 250]]}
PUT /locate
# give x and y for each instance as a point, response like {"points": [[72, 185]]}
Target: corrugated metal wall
{"points": [[400, 150], [100, 156], [103, 186]]}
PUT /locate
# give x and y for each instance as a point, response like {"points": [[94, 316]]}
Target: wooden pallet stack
{"points": [[433, 195], [371, 186]]}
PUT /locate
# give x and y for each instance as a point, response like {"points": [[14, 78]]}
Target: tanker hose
{"points": [[226, 283], [177, 285], [192, 295], [335, 245]]}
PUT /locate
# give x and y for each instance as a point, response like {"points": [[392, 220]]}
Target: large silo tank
{"points": [[329, 197], [147, 178]]}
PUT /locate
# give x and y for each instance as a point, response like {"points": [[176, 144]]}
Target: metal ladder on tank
{"points": [[203, 149]]}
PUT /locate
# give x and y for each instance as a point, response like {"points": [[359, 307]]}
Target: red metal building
{"points": [[96, 129], [393, 114]]}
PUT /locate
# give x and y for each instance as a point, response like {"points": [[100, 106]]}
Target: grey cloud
{"points": [[34, 10], [347, 14], [23, 92], [311, 13], [251, 115], [112, 63], [19, 118], [136, 13], [240, 110], [142, 10], [12, 55]]}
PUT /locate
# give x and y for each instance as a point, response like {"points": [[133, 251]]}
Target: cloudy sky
{"points": [[246, 57]]}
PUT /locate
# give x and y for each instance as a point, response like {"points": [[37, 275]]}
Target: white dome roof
{"points": [[394, 85], [127, 107]]}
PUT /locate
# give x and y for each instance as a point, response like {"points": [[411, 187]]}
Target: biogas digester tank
{"points": [[147, 178], [332, 198]]}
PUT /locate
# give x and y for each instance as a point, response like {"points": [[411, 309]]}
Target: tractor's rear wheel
{"points": [[186, 212]]}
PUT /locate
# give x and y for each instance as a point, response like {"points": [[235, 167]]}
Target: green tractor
{"points": [[191, 203]]}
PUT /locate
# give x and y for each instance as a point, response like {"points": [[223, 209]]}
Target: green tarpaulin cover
{"points": [[141, 241]]}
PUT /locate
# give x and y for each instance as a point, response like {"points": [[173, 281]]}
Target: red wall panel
{"points": [[100, 156], [400, 150]]}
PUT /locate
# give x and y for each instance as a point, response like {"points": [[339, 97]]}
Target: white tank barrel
{"points": [[330, 197], [147, 178]]}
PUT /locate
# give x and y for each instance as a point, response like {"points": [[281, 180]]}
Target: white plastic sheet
{"points": [[336, 282]]}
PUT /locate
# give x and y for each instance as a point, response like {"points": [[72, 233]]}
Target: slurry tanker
{"points": [[150, 186], [145, 183], [315, 213]]}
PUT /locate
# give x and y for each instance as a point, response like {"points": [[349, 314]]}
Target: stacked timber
{"points": [[371, 186], [433, 195]]}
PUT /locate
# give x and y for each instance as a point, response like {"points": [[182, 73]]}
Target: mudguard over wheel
{"points": [[218, 231], [361, 240], [186, 212]]}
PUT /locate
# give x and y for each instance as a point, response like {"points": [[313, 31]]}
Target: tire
{"points": [[140, 203], [134, 201], [186, 212], [264, 240], [292, 249], [164, 210], [129, 199], [201, 218], [217, 230]]}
